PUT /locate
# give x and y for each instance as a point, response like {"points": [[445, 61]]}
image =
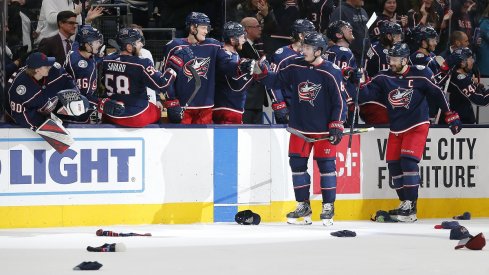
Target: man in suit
{"points": [[59, 44], [256, 97]]}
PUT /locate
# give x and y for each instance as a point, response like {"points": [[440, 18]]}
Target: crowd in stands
{"points": [[431, 28]]}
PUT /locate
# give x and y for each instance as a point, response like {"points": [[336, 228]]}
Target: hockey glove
{"points": [[174, 110], [49, 106], [281, 112], [245, 66], [74, 103], [353, 75], [261, 68], [111, 107], [335, 131], [180, 57], [453, 121]]}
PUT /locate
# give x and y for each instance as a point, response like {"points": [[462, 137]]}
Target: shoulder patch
{"points": [[420, 67], [419, 55], [82, 64], [344, 49], [57, 65], [279, 51], [386, 51], [336, 66], [21, 89], [461, 76]]}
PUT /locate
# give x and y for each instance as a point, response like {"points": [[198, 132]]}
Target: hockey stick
{"points": [[349, 132], [355, 109], [109, 233], [198, 83]]}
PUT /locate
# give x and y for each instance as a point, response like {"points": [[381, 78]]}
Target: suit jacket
{"points": [[256, 96], [53, 46]]}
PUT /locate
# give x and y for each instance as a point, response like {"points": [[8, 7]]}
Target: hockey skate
{"points": [[301, 215], [405, 213], [327, 214]]}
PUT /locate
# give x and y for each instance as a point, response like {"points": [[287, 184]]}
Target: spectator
{"points": [[19, 24], [59, 45], [426, 12], [463, 19], [256, 97], [388, 12], [318, 11], [352, 12], [48, 23], [483, 49]]}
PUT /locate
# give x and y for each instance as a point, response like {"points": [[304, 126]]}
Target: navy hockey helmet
{"points": [[421, 33], [335, 27], [88, 34], [302, 26], [197, 18], [232, 30], [399, 50], [457, 56], [128, 36], [315, 39], [388, 27]]}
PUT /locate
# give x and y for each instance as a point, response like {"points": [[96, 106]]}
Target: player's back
{"points": [[376, 59], [341, 56], [84, 72]]}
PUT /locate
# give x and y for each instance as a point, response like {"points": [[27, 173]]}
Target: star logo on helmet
{"points": [[308, 91], [400, 97]]}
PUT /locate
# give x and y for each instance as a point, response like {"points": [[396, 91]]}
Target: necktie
{"points": [[68, 45]]}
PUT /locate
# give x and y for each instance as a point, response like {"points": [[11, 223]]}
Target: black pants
{"points": [[253, 116]]}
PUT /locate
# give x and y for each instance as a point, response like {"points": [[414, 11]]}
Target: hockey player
{"points": [[317, 109], [81, 64], [280, 59], [199, 111], [318, 12], [32, 91], [231, 89], [463, 90], [376, 60], [341, 34], [406, 88], [126, 77], [426, 39]]}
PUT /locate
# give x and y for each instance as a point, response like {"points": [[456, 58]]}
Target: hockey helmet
{"points": [[232, 30], [128, 36], [421, 33], [302, 26], [197, 18], [399, 50], [457, 56], [317, 40], [87, 34], [388, 27], [336, 27]]}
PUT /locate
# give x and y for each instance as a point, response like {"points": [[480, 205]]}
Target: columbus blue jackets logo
{"points": [[400, 97], [201, 65], [308, 91]]}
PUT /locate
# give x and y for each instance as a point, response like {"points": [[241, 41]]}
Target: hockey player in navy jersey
{"points": [[204, 49], [231, 87], [317, 109], [81, 64], [463, 90], [376, 60], [426, 39], [280, 59], [126, 76], [406, 88], [341, 34], [32, 91]]}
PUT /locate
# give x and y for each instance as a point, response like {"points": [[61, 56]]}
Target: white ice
{"points": [[228, 248]]}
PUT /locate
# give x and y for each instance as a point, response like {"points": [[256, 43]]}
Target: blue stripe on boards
{"points": [[225, 174]]}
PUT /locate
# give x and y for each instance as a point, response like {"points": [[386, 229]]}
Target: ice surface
{"points": [[228, 248]]}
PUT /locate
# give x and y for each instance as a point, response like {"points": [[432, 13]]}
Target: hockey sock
{"points": [[300, 178], [327, 169], [411, 179], [395, 172]]}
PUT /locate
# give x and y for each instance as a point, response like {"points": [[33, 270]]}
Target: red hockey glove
{"points": [[453, 121], [174, 110], [335, 131], [281, 112], [261, 69]]}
